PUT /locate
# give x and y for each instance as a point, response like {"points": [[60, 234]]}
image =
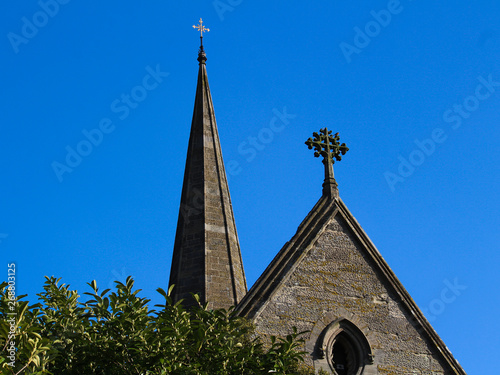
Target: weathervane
{"points": [[328, 146], [202, 30]]}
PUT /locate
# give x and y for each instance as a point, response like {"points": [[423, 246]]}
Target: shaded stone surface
{"points": [[330, 271], [329, 277], [207, 258]]}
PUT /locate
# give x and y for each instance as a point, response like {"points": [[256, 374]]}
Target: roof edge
{"points": [[401, 291], [288, 257], [277, 269]]}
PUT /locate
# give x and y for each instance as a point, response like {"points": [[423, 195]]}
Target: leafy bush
{"points": [[115, 332]]}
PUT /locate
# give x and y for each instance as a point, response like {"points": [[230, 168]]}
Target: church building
{"points": [[329, 279]]}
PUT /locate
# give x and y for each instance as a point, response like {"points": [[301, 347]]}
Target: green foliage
{"points": [[115, 332]]}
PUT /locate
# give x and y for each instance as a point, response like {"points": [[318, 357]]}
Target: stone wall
{"points": [[337, 279]]}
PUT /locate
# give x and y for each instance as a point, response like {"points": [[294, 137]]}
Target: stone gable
{"points": [[332, 282]]}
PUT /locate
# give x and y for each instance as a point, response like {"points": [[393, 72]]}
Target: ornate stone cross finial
{"points": [[328, 146]]}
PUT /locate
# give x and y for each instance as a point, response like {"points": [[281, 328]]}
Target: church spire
{"points": [[207, 258]]}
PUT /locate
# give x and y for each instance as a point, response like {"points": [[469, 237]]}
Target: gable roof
{"points": [[294, 251]]}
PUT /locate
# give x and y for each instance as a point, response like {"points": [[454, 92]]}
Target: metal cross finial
{"points": [[328, 146], [201, 28], [202, 57]]}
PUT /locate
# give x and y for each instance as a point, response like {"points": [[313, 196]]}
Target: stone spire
{"points": [[207, 258]]}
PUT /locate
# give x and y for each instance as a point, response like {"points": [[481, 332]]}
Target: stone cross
{"points": [[328, 146]]}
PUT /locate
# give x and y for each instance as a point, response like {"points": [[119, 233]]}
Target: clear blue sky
{"points": [[413, 87]]}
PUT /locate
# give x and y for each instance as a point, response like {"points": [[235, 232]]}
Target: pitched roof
{"points": [[293, 252], [206, 258]]}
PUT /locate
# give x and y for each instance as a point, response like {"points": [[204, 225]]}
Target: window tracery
{"points": [[345, 347]]}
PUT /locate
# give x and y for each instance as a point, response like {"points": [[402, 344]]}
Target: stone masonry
{"points": [[207, 257], [328, 280], [331, 272]]}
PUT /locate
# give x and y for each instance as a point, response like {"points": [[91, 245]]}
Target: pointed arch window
{"points": [[345, 347]]}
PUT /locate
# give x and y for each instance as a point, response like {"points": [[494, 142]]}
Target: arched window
{"points": [[343, 356], [345, 347]]}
